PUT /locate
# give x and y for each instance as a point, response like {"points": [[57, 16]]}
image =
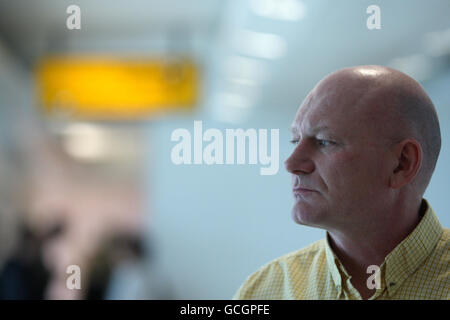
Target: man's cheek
{"points": [[347, 178]]}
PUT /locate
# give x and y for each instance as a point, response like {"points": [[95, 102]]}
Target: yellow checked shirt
{"points": [[418, 268]]}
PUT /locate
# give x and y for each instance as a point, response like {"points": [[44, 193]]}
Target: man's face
{"points": [[338, 166]]}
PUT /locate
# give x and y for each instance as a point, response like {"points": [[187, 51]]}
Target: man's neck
{"points": [[358, 249]]}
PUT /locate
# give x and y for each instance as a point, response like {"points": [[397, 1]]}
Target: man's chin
{"points": [[304, 214]]}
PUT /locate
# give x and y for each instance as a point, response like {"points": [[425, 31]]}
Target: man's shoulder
{"points": [[270, 277], [298, 256], [303, 254]]}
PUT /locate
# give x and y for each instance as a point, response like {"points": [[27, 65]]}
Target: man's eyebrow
{"points": [[293, 130]]}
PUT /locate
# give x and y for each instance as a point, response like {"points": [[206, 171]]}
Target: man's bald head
{"points": [[393, 104]]}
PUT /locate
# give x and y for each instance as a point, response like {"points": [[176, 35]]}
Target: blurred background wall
{"points": [[206, 228]]}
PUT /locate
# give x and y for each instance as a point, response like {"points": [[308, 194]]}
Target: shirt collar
{"points": [[406, 257], [333, 263], [413, 250]]}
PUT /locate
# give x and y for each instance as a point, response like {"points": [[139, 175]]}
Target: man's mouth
{"points": [[301, 191]]}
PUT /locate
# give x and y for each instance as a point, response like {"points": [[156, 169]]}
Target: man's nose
{"points": [[300, 162]]}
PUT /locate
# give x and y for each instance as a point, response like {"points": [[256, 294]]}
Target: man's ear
{"points": [[408, 155]]}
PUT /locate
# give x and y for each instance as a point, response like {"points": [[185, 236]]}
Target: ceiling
{"points": [[258, 54]]}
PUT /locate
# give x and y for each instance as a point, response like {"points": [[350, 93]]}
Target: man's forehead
{"points": [[313, 116], [328, 111]]}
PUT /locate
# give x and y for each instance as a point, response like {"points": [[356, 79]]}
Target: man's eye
{"points": [[324, 143], [293, 141]]}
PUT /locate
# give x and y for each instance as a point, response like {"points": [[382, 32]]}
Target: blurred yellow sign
{"points": [[113, 88]]}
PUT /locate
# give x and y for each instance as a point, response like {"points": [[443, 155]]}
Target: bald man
{"points": [[366, 142]]}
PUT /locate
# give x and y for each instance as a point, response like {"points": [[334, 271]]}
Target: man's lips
{"points": [[302, 190]]}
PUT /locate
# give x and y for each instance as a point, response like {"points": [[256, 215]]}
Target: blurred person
{"points": [[28, 273], [136, 275], [99, 272], [24, 275], [367, 140], [120, 271]]}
